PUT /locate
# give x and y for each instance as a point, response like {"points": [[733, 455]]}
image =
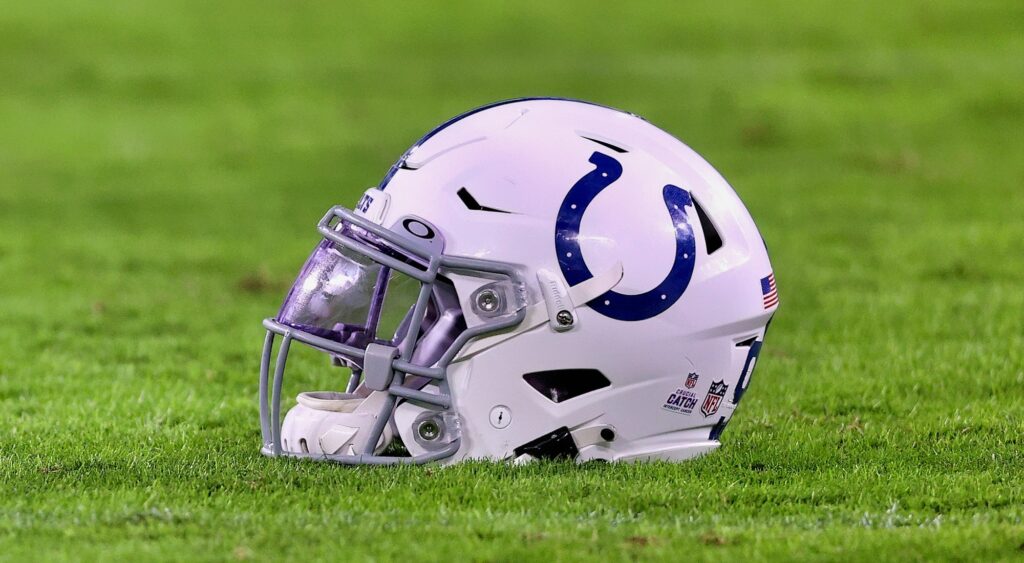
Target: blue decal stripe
{"points": [[718, 428], [748, 368]]}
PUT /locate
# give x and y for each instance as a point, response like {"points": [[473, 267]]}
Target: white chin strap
{"points": [[557, 299], [329, 423]]}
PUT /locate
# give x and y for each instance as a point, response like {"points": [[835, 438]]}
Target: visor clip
{"points": [[561, 309], [378, 370]]}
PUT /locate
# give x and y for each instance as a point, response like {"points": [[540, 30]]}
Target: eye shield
{"points": [[346, 297]]}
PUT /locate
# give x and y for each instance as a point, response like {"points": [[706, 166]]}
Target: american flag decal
{"points": [[769, 291]]}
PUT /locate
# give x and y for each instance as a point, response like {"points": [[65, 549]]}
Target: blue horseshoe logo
{"points": [[570, 259]]}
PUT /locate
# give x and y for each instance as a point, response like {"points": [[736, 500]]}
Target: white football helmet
{"points": [[536, 278]]}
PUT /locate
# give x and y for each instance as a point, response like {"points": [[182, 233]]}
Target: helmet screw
{"points": [[429, 430], [564, 317], [487, 300]]}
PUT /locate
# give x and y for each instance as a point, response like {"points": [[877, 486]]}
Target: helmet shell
{"points": [[495, 182]]}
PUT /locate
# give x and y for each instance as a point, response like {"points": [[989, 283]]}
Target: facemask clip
{"points": [[377, 366], [498, 299]]}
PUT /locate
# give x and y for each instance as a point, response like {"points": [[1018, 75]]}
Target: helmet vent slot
{"points": [[605, 144], [712, 238], [747, 343], [473, 205], [564, 384]]}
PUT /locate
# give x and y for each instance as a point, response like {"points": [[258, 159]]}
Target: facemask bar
{"points": [[426, 274]]}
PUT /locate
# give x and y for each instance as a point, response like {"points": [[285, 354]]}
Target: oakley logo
{"points": [[570, 258], [418, 228]]}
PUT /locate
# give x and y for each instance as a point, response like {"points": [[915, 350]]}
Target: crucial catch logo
{"points": [[683, 400]]}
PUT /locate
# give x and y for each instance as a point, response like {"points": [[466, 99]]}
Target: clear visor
{"points": [[346, 297]]}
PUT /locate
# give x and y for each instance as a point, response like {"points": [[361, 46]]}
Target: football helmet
{"points": [[537, 278]]}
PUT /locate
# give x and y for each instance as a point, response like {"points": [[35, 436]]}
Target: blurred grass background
{"points": [[162, 166]]}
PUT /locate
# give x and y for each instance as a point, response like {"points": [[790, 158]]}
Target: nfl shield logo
{"points": [[691, 380], [714, 398]]}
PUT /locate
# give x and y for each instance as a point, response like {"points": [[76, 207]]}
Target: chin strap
{"points": [[557, 299], [332, 423]]}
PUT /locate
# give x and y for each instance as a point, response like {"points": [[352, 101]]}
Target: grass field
{"points": [[162, 166]]}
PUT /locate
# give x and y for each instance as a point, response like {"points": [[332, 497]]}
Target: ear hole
{"points": [[303, 446]]}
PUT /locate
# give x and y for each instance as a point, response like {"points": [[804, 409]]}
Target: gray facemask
{"points": [[377, 301]]}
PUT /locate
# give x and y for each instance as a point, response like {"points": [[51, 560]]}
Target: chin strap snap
{"points": [[557, 309]]}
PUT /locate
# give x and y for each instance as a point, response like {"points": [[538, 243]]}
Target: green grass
{"points": [[162, 166]]}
